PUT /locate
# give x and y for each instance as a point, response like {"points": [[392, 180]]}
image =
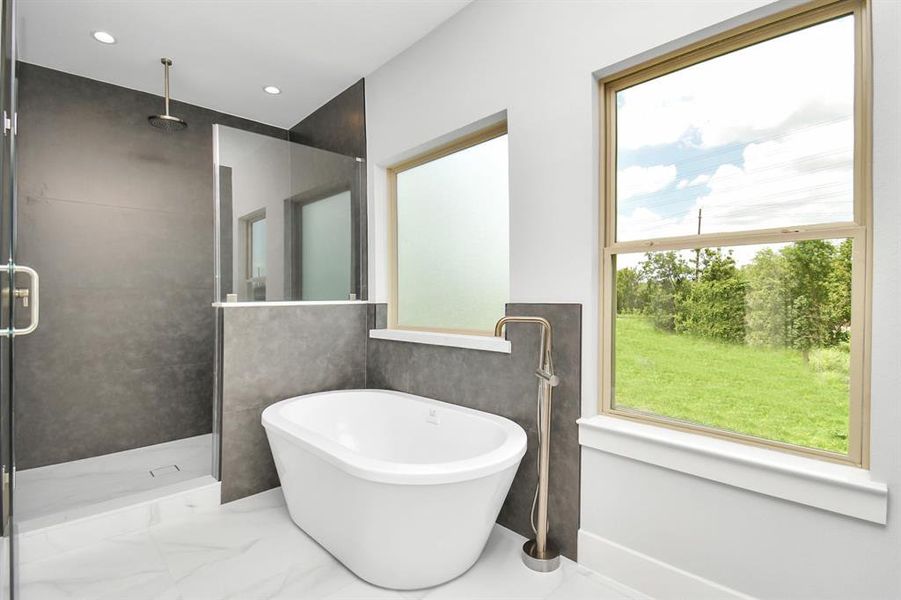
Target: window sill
{"points": [[453, 340], [828, 486]]}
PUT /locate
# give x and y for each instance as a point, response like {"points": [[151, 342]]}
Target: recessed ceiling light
{"points": [[271, 89], [104, 37]]}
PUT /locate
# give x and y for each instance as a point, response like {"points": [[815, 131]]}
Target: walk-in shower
{"points": [[114, 387]]}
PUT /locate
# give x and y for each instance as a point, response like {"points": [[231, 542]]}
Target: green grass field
{"points": [[769, 393]]}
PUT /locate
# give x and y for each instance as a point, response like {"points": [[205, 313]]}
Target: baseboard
{"points": [[645, 574], [48, 536]]}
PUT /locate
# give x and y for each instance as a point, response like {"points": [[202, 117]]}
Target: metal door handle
{"points": [[30, 299]]}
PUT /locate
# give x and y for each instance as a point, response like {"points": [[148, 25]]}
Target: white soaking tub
{"points": [[403, 490]]}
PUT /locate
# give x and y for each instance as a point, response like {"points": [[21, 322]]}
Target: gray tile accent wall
{"points": [[275, 352], [339, 125], [505, 385], [117, 217]]}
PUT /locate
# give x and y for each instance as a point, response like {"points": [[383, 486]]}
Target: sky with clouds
{"points": [[758, 138]]}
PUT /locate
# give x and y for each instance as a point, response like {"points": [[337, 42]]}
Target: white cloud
{"points": [[635, 181], [699, 180], [644, 223], [788, 82], [802, 178]]}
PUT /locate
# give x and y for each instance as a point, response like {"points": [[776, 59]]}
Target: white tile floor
{"points": [[76, 485], [250, 550]]}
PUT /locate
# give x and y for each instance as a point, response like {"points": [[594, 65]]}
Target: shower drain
{"points": [[167, 470]]}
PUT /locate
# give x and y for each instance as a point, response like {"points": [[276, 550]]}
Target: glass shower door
{"points": [[7, 242], [19, 301]]}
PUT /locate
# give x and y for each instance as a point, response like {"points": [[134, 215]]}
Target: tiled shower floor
{"points": [[76, 485], [250, 550]]}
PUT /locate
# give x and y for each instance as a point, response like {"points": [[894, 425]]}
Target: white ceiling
{"points": [[225, 51]]}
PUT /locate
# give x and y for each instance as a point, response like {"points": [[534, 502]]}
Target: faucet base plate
{"points": [[549, 561]]}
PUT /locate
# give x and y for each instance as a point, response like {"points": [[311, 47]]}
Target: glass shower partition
{"points": [[19, 295], [291, 220]]}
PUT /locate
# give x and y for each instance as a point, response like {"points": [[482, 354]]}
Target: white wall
{"points": [[535, 60]]}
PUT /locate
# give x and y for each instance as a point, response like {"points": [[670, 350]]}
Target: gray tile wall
{"points": [[117, 217], [339, 125], [506, 385], [275, 352]]}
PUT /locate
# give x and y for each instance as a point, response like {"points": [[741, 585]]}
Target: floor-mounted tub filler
{"points": [[403, 490]]}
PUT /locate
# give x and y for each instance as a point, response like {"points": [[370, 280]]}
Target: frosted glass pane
{"points": [[258, 248], [759, 138], [453, 240], [325, 248]]}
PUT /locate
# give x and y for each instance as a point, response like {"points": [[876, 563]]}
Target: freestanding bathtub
{"points": [[403, 490]]}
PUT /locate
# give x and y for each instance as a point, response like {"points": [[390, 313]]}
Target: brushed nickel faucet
{"points": [[539, 554]]}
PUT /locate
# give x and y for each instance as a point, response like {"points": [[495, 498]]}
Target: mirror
{"points": [[290, 220]]}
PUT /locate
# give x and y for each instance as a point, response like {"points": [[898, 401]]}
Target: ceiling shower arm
{"points": [[166, 64]]}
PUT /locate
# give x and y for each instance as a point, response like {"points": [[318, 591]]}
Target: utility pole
{"points": [[698, 250]]}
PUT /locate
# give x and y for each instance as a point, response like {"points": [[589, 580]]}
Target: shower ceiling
{"points": [[225, 52]]}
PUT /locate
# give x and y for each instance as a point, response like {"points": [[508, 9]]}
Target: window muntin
{"points": [[779, 209], [451, 237]]}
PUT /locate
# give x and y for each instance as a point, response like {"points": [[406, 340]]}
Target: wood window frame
{"points": [[247, 222], [860, 229], [462, 143]]}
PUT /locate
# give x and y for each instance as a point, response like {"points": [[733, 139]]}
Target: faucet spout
{"points": [[546, 331]]}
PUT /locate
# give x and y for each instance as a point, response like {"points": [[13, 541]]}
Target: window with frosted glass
{"points": [[258, 248], [325, 248], [452, 240]]}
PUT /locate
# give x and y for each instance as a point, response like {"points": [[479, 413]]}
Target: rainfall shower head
{"points": [[167, 122]]}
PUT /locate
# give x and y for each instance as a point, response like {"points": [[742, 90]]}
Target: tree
{"points": [[714, 305], [628, 286], [767, 309], [809, 266], [665, 276], [838, 284]]}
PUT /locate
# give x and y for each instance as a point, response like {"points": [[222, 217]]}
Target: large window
{"points": [[737, 236], [450, 236]]}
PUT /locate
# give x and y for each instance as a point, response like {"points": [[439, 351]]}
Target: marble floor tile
{"points": [[251, 550], [127, 567], [582, 584]]}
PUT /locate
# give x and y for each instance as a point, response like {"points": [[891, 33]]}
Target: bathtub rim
{"points": [[509, 453]]}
